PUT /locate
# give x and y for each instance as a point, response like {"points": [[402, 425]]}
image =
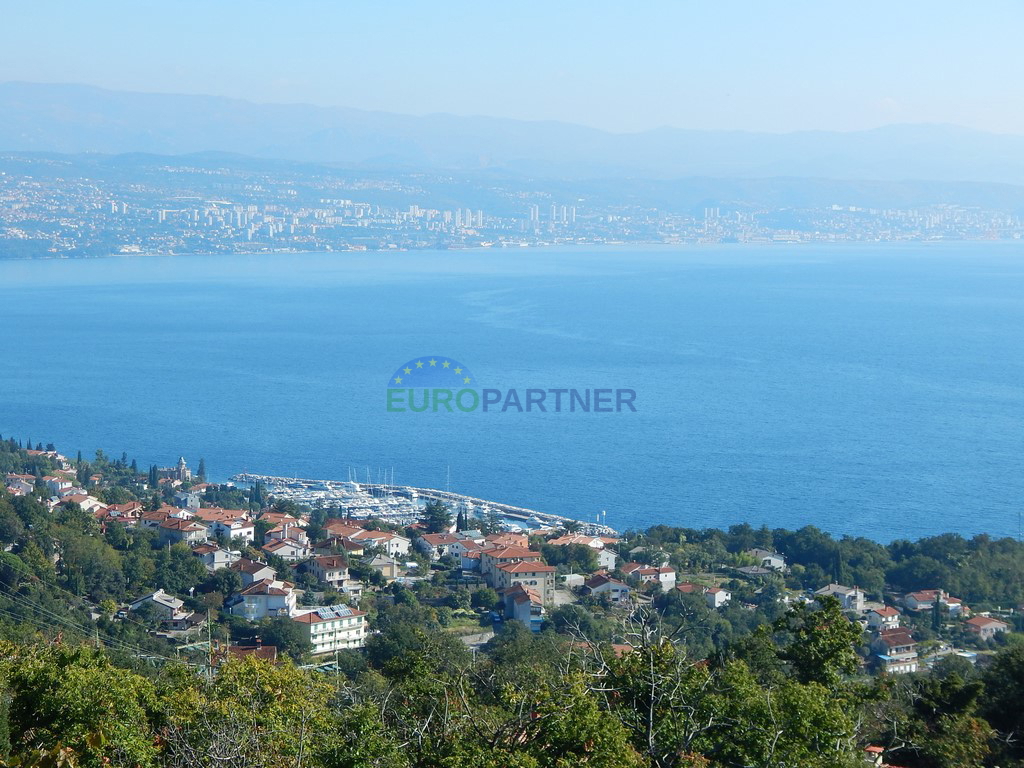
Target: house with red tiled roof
{"points": [[174, 530], [336, 528], [437, 545], [664, 575], [924, 600], [715, 597], [886, 617], [215, 557], [336, 546], [508, 540], [88, 504], [492, 557], [986, 627], [287, 549], [279, 518], [527, 573], [286, 531], [252, 570], [524, 604], [603, 584], [393, 544], [329, 569], [895, 651], [128, 514], [332, 628]]}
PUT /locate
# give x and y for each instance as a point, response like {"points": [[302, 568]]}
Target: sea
{"points": [[870, 390]]}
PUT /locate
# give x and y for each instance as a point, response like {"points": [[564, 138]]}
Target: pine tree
{"points": [[201, 472]]}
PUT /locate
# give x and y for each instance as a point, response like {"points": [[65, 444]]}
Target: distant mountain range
{"points": [[77, 118]]}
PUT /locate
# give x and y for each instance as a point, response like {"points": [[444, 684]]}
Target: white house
{"points": [[986, 627], [606, 559], [716, 597], [438, 545], [252, 570], [214, 557], [330, 569], [393, 544], [883, 618], [663, 575], [773, 561], [851, 598], [525, 605], [284, 532], [924, 600], [287, 549], [605, 585], [332, 628], [237, 528], [166, 605], [262, 599], [895, 651], [190, 532]]}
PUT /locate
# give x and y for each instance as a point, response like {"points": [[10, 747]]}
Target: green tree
{"points": [[818, 645], [485, 597], [437, 516], [73, 697], [287, 636]]}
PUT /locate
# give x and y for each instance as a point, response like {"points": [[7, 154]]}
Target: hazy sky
{"points": [[750, 65]]}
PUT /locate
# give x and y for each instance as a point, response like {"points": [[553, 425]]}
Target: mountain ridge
{"points": [[73, 118]]}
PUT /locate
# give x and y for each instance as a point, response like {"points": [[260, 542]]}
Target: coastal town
{"points": [[57, 207], [263, 566]]}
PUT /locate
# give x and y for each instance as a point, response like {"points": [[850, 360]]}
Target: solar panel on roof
{"points": [[334, 612]]}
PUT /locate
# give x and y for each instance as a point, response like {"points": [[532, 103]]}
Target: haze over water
{"points": [[871, 390]]}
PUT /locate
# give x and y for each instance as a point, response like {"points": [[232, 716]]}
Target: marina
{"points": [[403, 504]]}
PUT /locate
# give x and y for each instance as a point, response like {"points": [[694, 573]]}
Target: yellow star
{"points": [[446, 363], [465, 380], [419, 365], [433, 363], [398, 379], [458, 370], [407, 369]]}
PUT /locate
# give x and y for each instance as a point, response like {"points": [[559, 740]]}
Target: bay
{"points": [[873, 390]]}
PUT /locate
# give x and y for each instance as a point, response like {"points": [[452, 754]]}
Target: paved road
{"points": [[477, 639]]}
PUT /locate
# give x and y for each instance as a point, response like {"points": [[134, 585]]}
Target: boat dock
{"points": [[403, 503]]}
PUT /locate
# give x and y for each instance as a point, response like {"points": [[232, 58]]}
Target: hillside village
{"points": [[450, 636], [269, 574]]}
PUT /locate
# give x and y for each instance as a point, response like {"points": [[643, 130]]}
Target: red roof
{"points": [[314, 618], [526, 567], [331, 561], [511, 553], [268, 587]]}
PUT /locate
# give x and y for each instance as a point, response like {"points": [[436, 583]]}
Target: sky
{"points": [[730, 64]]}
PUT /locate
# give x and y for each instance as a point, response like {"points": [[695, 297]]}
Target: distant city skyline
{"points": [[734, 66]]}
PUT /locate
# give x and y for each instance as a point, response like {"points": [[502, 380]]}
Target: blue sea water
{"points": [[872, 390]]}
